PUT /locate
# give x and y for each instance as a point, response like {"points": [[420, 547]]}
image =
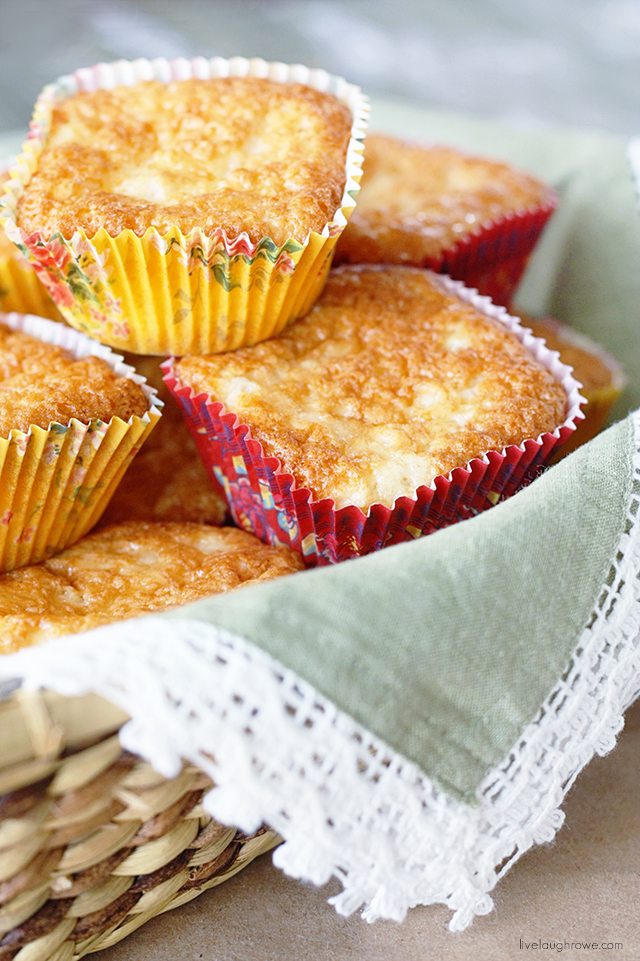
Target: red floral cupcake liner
{"points": [[265, 500], [493, 258]]}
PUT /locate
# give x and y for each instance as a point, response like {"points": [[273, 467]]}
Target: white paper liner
{"points": [[79, 345]]}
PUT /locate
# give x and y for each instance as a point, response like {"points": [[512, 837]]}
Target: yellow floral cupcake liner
{"points": [[55, 483], [20, 289], [176, 293]]}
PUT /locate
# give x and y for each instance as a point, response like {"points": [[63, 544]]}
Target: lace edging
{"points": [[346, 805]]}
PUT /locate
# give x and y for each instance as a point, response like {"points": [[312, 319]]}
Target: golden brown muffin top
{"points": [[167, 480], [595, 369], [242, 154], [127, 570], [416, 201], [386, 383], [41, 384]]}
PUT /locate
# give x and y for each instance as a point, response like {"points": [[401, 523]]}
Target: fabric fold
{"points": [[447, 646], [272, 707]]}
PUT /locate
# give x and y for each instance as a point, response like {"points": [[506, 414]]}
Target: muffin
{"points": [[472, 218], [72, 416], [20, 289], [187, 206], [167, 481], [600, 374], [127, 570], [401, 403]]}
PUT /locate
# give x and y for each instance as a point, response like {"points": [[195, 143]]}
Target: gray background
{"points": [[569, 61]]}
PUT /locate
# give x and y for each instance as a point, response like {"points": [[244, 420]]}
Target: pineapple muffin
{"points": [[387, 383], [402, 403], [167, 480], [172, 209], [43, 384], [127, 570], [241, 154], [432, 206], [72, 418]]}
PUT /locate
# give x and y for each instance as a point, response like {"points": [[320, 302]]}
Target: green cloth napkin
{"points": [[446, 647], [411, 721]]}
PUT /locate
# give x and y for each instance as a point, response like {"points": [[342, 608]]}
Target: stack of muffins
{"points": [[188, 213]]}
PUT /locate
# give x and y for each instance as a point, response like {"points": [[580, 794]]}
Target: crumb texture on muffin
{"points": [[127, 570], [242, 154], [416, 201], [41, 384], [387, 383], [167, 480]]}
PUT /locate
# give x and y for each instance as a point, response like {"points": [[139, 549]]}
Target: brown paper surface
{"points": [[585, 887]]}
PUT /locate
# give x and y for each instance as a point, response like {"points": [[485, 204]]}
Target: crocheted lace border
{"points": [[347, 805]]}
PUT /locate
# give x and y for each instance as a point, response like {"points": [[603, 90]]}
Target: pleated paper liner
{"points": [[20, 288], [176, 293], [55, 483], [265, 500], [493, 259]]}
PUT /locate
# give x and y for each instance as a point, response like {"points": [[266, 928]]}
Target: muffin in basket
{"points": [[600, 374], [20, 288], [186, 206], [167, 481], [72, 416], [169, 564], [401, 403], [429, 206]]}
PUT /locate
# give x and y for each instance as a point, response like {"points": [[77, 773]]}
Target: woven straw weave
{"points": [[93, 842]]}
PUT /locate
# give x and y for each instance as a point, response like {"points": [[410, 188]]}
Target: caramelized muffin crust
{"points": [[416, 202], [386, 383], [242, 154], [42, 384], [167, 480], [127, 570]]}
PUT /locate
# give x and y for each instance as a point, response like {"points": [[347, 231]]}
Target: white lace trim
{"points": [[347, 805]]}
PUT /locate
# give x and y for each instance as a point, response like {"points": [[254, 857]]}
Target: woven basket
{"points": [[93, 842]]}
